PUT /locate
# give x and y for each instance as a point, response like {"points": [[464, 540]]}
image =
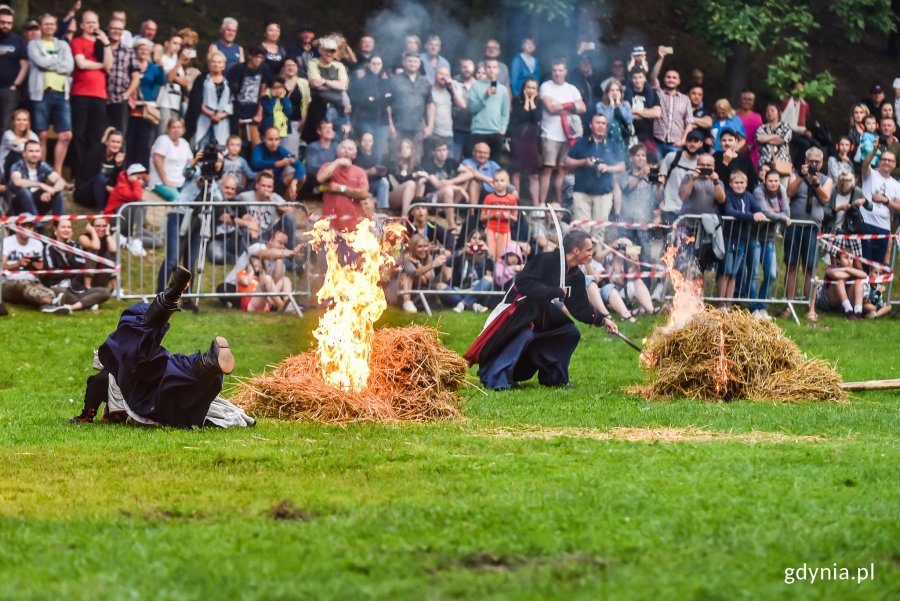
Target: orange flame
{"points": [[355, 300], [688, 299]]}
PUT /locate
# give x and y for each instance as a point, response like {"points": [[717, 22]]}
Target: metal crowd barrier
{"points": [[12, 224], [750, 247], [181, 231], [453, 244]]}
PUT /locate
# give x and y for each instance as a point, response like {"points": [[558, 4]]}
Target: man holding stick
{"points": [[532, 334]]}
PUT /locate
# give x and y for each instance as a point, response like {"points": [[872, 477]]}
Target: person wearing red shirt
{"points": [[497, 221], [93, 58], [344, 185], [129, 188]]}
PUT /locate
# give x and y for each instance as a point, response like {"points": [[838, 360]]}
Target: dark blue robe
{"points": [[172, 389]]}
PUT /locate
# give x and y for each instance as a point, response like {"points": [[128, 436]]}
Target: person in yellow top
{"points": [[50, 73]]}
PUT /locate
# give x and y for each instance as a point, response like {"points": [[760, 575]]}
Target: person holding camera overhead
{"points": [[595, 159]]}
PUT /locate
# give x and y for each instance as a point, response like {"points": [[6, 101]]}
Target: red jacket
{"points": [[124, 191]]}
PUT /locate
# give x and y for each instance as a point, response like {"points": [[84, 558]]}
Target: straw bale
{"points": [[728, 356], [414, 377]]}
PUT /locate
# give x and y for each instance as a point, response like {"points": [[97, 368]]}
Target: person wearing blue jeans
{"points": [[775, 206]]}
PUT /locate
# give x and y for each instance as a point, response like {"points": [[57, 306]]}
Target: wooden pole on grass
{"points": [[871, 385]]}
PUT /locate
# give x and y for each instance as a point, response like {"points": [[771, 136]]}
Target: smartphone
{"points": [[493, 84], [667, 50]]}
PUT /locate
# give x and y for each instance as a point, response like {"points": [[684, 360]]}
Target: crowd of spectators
{"points": [[601, 138]]}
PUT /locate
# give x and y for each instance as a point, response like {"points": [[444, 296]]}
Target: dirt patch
{"points": [[649, 435], [486, 561], [287, 511]]}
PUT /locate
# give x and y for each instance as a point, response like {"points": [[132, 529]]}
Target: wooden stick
{"points": [[871, 385]]}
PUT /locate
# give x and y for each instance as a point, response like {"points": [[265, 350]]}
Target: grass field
{"points": [[534, 496]]}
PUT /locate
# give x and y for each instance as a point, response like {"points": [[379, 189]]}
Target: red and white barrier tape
{"points": [[858, 236], [862, 260], [622, 255], [637, 275], [43, 218], [61, 271], [875, 279], [66, 247], [625, 224]]}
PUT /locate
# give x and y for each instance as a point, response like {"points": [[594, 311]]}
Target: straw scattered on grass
{"points": [[659, 434]]}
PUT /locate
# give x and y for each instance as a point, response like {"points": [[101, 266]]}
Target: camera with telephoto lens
{"points": [[208, 160]]}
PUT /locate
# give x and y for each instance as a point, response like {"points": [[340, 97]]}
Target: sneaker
{"points": [[479, 308], [763, 314], [57, 300], [460, 307], [755, 314], [136, 247], [95, 307], [410, 307], [57, 309]]}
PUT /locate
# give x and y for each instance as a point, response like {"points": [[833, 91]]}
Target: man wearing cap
{"points": [[328, 84], [13, 66], [48, 86], [248, 80], [33, 184], [411, 114], [876, 97], [344, 186], [23, 254], [672, 171], [129, 187]]}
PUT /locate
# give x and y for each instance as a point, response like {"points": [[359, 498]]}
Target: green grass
{"points": [[442, 511]]}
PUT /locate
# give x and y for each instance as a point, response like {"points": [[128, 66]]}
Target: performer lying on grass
{"points": [[533, 334], [158, 387]]}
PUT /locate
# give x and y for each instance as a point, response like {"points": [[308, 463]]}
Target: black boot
{"points": [[86, 417], [218, 359], [166, 302]]}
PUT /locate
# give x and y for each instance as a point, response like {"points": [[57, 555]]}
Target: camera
{"points": [[707, 171], [653, 175], [208, 160], [883, 141], [813, 170]]}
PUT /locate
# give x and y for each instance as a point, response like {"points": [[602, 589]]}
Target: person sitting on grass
{"points": [[158, 387], [842, 289], [97, 239], [261, 268], [420, 269], [76, 296], [874, 298], [22, 254]]}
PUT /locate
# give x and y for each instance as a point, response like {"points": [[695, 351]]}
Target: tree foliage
{"points": [[779, 30]]}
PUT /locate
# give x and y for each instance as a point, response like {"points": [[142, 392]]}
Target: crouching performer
{"points": [[157, 387], [532, 334]]}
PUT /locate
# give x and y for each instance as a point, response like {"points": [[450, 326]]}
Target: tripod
{"points": [[205, 227]]}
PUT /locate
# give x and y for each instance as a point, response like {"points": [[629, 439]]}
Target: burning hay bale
{"points": [[729, 356], [413, 377]]}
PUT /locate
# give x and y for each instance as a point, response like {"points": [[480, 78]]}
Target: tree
{"points": [[779, 30]]}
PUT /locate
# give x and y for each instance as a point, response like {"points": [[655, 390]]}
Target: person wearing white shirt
{"points": [[884, 192]]}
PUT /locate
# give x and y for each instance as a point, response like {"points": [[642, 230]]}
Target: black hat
{"points": [[695, 134], [876, 89], [305, 27], [256, 50]]}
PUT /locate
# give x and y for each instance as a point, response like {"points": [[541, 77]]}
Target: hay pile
{"points": [[759, 363], [414, 377]]}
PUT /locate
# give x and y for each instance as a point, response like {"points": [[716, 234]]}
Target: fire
{"points": [[355, 300], [686, 304], [688, 299]]}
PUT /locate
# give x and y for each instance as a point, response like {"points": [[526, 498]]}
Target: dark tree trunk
{"points": [[893, 48], [737, 68]]}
